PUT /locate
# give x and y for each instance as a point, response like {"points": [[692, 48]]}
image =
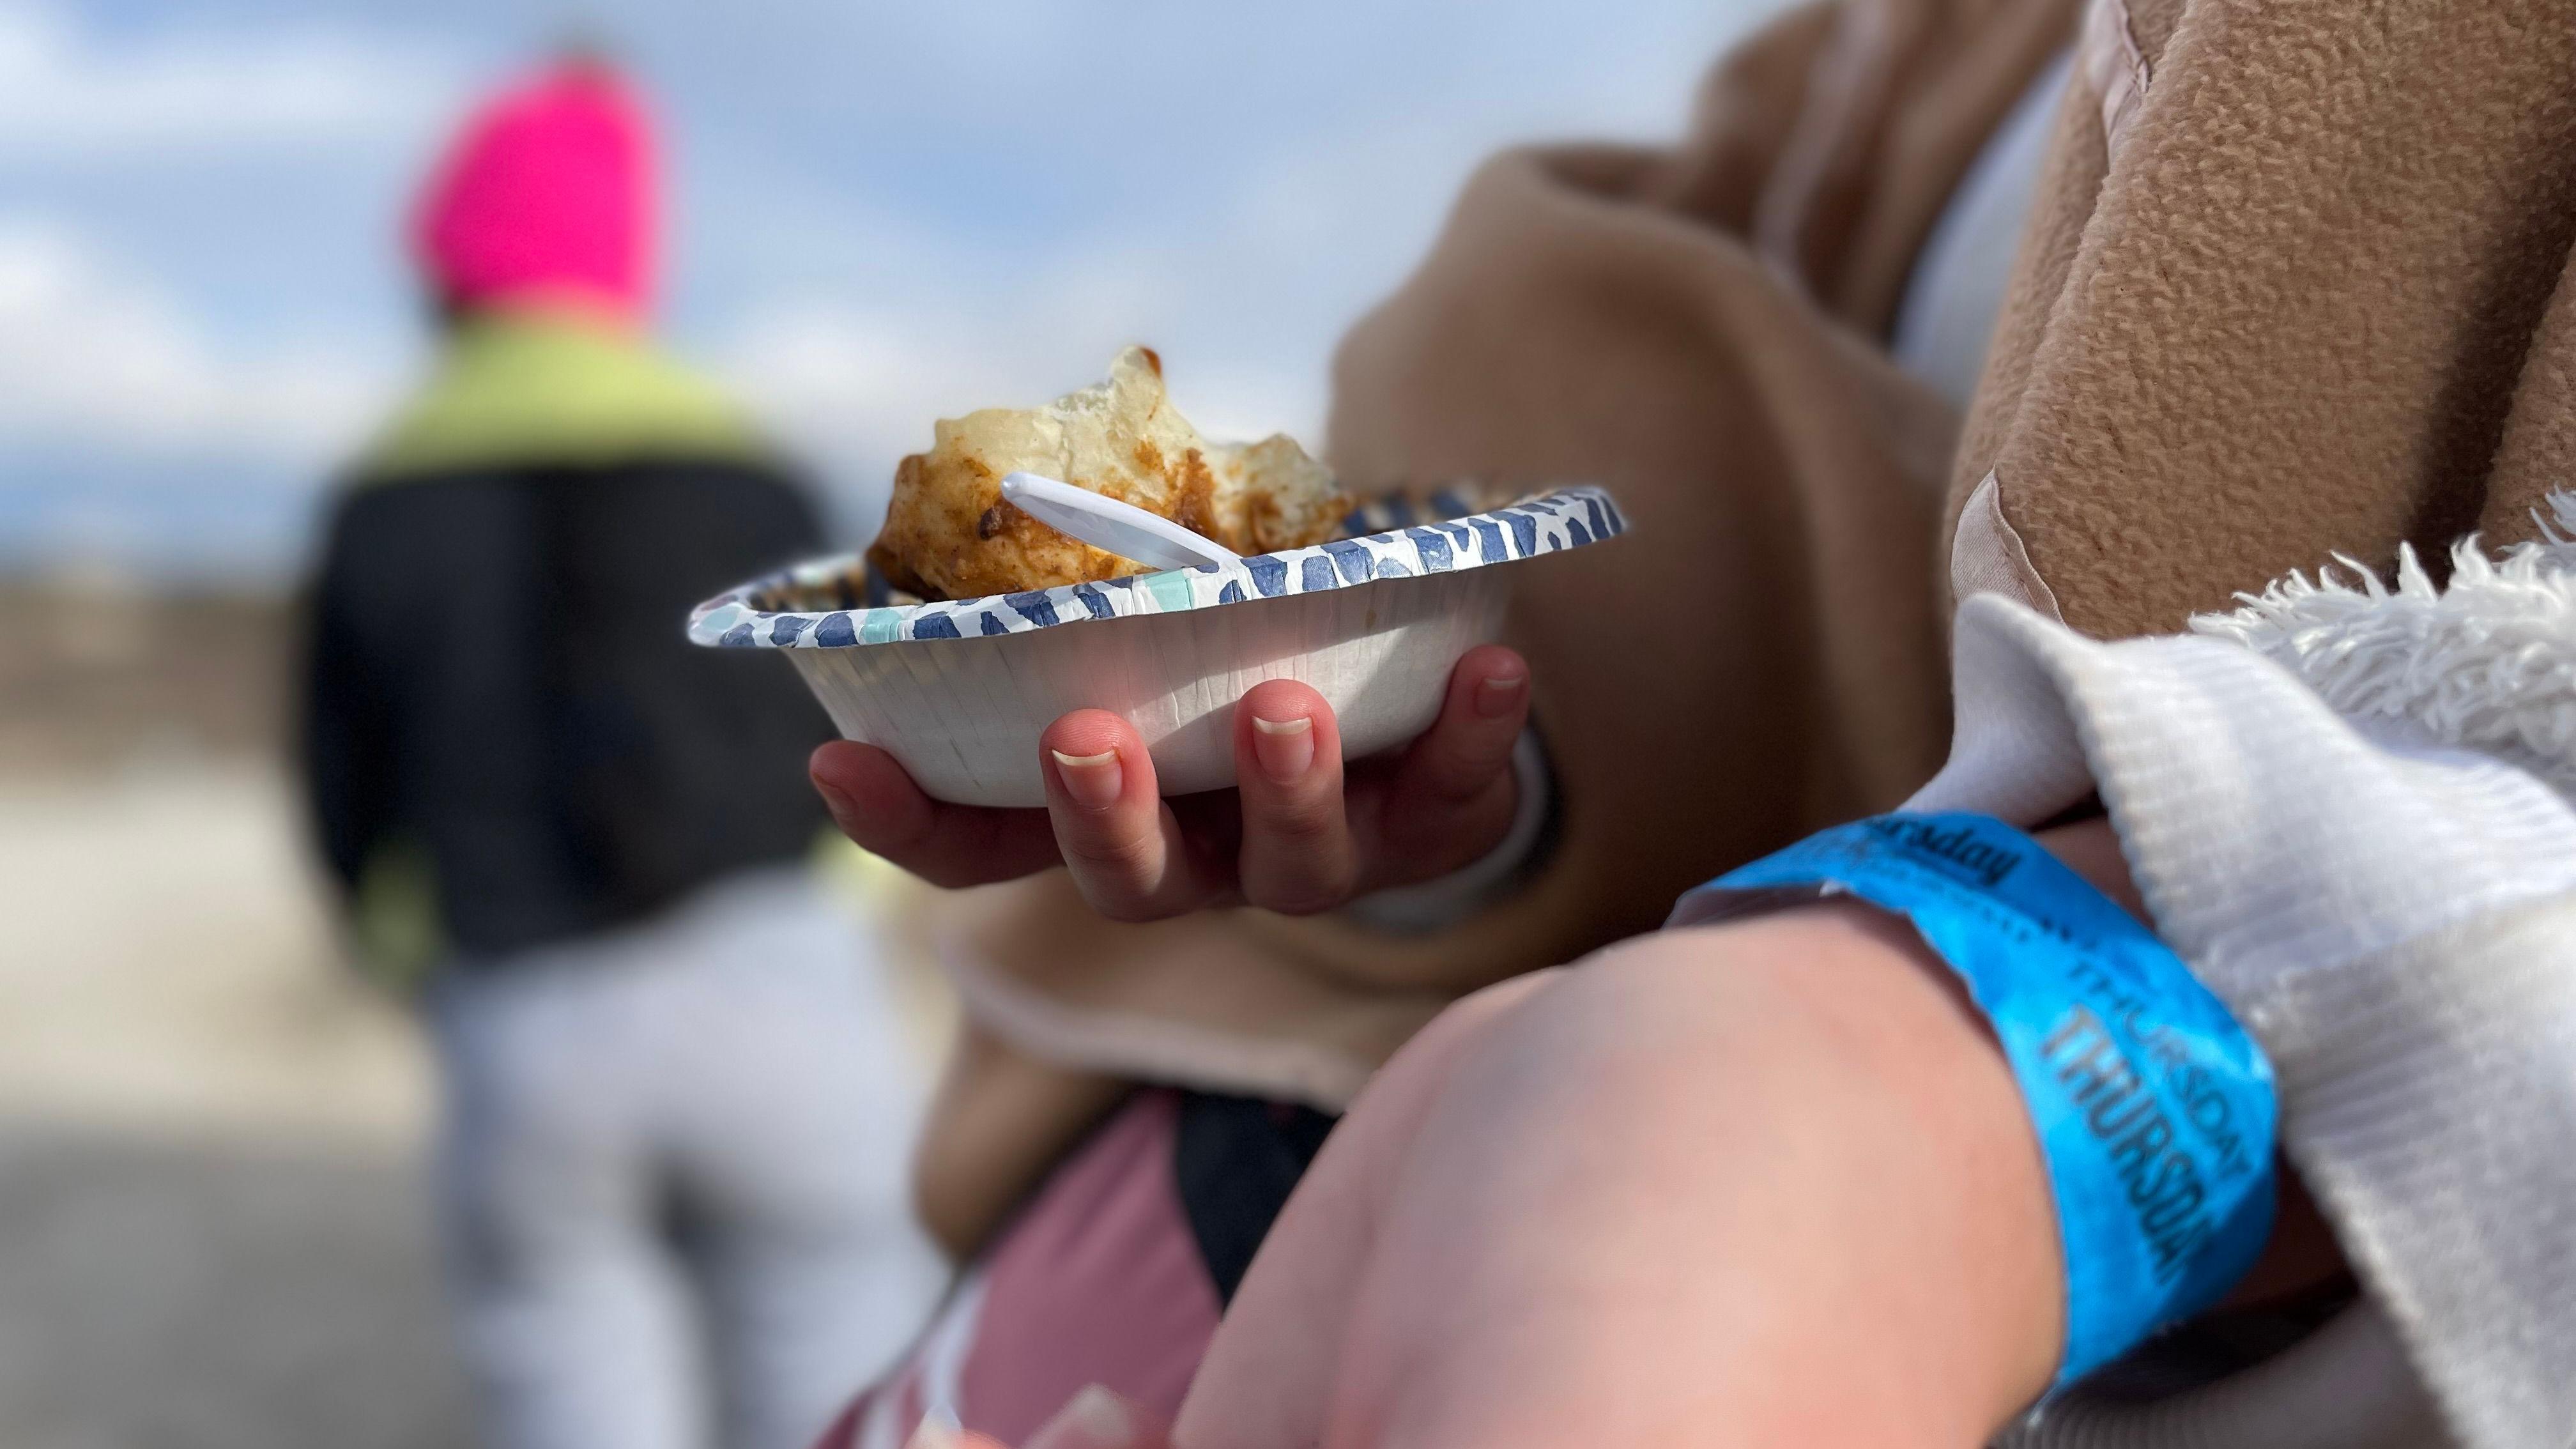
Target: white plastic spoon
{"points": [[1109, 525]]}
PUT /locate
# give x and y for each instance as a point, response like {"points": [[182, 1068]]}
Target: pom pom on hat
{"points": [[547, 192]]}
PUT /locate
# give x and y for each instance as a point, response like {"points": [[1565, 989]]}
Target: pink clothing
{"points": [[1098, 1281], [548, 192]]}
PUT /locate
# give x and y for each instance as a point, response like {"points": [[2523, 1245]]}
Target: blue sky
{"points": [[882, 214]]}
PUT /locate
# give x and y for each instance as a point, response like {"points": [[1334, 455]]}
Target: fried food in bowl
{"points": [[949, 535]]}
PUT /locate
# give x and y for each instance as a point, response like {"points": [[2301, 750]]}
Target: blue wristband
{"points": [[2154, 1109]]}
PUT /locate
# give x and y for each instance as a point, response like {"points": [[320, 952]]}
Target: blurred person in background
{"points": [[675, 1110]]}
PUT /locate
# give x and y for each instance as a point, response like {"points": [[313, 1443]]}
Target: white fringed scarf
{"points": [[2486, 664]]}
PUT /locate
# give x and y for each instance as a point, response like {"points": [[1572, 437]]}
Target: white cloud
{"points": [[1246, 282], [66, 94], [1245, 299], [856, 385], [853, 362], [96, 360]]}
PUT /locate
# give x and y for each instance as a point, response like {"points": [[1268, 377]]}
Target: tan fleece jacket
{"points": [[2295, 283]]}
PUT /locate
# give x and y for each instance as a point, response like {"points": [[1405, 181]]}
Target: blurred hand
{"points": [[1095, 1419], [1299, 834]]}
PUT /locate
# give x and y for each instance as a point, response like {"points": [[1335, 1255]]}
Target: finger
{"points": [[1449, 799], [883, 812], [1296, 855], [1268, 1379], [1125, 850], [1099, 1419]]}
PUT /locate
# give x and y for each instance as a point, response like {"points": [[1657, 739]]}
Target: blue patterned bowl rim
{"points": [[1548, 523]]}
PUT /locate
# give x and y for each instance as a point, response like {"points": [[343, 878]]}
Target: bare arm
{"points": [[1762, 1183]]}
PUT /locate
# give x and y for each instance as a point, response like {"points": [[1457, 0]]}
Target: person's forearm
{"points": [[1897, 1239], [1789, 1199], [1769, 1182]]}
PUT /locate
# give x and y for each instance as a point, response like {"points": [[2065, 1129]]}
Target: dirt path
{"points": [[215, 1293], [211, 1226]]}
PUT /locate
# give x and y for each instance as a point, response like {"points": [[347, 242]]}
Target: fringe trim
{"points": [[2488, 664]]}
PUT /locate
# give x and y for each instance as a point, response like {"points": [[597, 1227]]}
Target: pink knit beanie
{"points": [[546, 192]]}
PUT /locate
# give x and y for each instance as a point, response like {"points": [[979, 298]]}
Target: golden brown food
{"points": [[948, 534]]}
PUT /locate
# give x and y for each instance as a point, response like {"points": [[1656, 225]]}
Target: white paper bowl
{"points": [[959, 690]]}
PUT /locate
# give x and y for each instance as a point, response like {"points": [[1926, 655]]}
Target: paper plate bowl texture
{"points": [[959, 690]]}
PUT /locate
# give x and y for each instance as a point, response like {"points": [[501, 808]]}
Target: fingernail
{"points": [[1093, 1419], [834, 801], [1285, 747], [938, 1429], [1498, 697], [1091, 780]]}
